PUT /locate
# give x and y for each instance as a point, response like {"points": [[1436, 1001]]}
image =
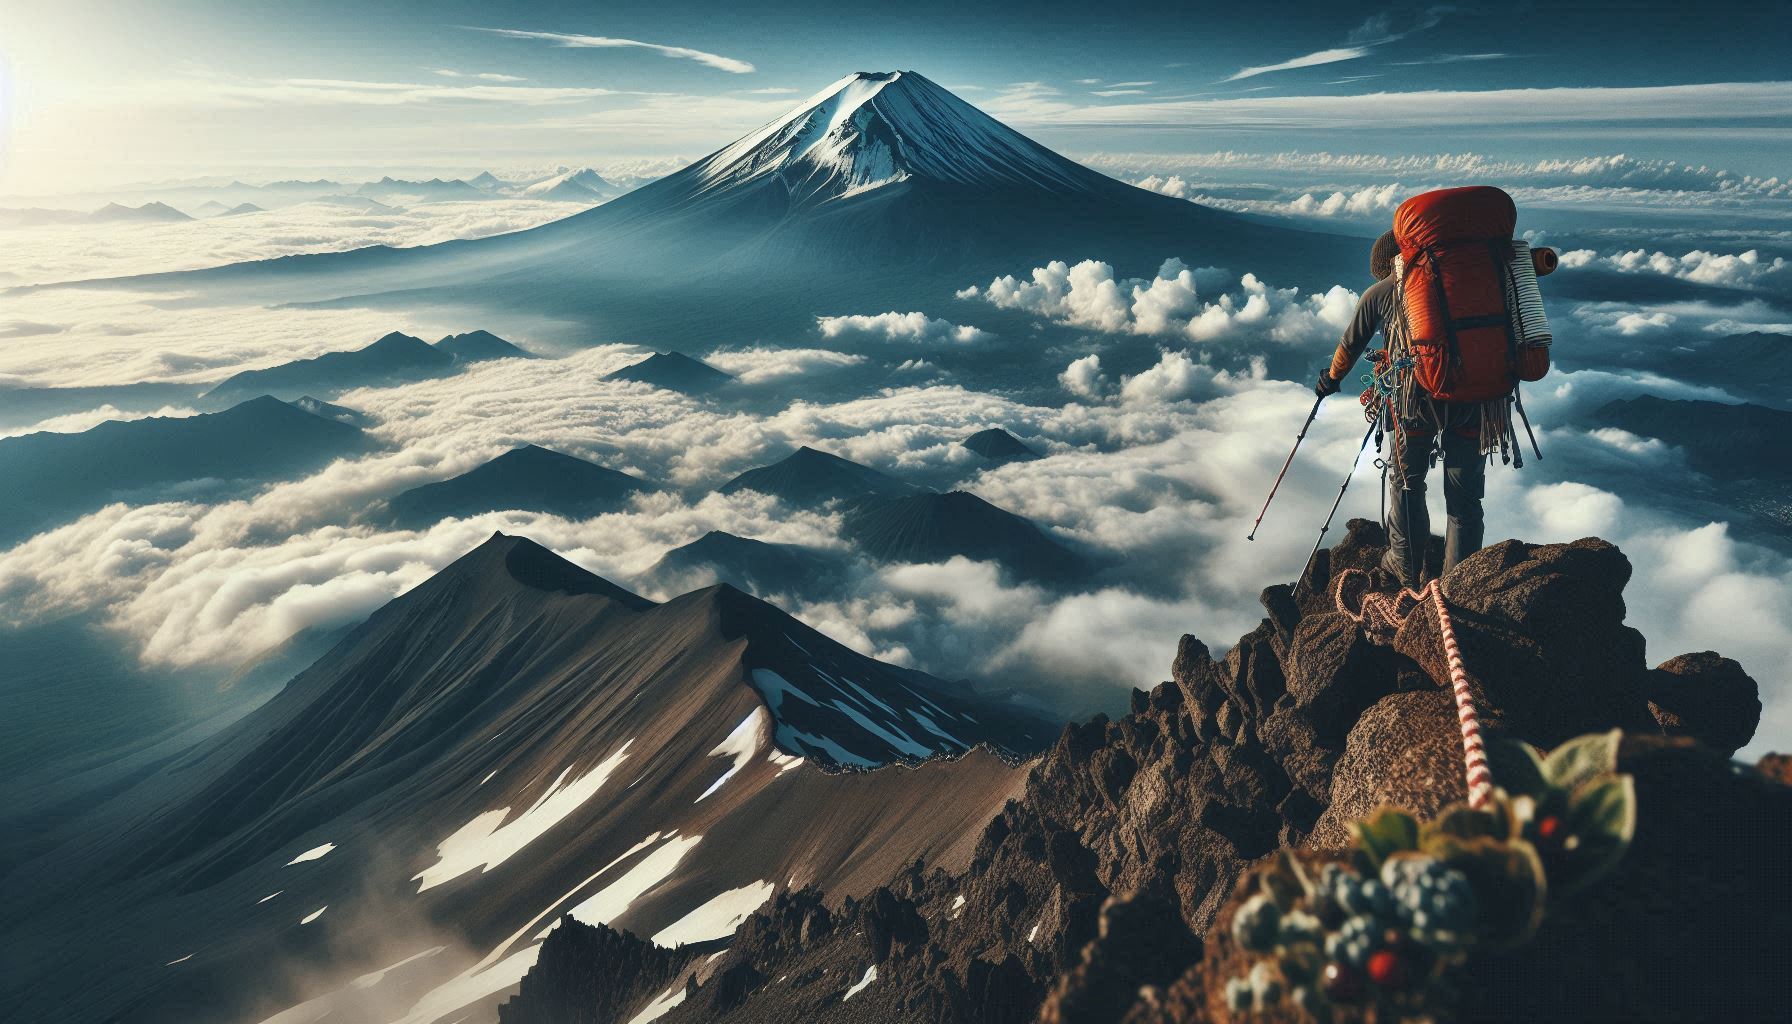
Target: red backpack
{"points": [[1455, 246]]}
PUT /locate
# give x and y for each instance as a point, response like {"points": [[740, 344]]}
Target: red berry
{"points": [[1549, 827], [1342, 985], [1387, 969]]}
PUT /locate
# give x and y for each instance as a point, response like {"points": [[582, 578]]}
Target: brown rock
{"points": [[1405, 751], [1707, 697]]}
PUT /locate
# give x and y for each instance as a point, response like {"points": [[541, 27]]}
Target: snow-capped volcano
{"points": [[872, 129], [883, 191]]}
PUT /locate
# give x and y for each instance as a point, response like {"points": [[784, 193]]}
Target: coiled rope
{"points": [[1381, 616]]}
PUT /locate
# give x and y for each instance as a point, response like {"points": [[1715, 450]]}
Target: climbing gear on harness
{"points": [[1298, 438], [1381, 616]]}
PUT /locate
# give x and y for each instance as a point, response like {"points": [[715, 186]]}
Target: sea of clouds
{"points": [[1161, 436]]}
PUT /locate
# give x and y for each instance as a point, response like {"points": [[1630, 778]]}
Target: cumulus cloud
{"points": [[1083, 377], [1088, 295], [900, 328], [1725, 270], [759, 365]]}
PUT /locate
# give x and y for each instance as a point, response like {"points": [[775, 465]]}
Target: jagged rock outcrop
{"points": [[560, 991], [1087, 899]]}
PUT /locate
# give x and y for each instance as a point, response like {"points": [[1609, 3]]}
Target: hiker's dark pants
{"points": [[1409, 521]]}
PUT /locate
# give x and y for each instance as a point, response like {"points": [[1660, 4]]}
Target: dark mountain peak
{"points": [[755, 566], [932, 527], [673, 371], [810, 476], [395, 341], [474, 346], [519, 560], [331, 411], [529, 478], [999, 445]]}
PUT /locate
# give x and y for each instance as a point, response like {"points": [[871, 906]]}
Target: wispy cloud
{"points": [[770, 90], [714, 60], [484, 76], [1451, 58], [1087, 81], [1377, 30], [1331, 56], [1131, 85], [1118, 92], [1711, 103]]}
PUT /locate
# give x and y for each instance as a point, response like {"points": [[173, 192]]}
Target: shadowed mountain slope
{"points": [[513, 740]]}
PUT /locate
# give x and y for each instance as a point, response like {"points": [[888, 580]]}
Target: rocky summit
{"points": [[1106, 890]]}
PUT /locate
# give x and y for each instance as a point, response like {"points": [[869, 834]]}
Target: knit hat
{"points": [[1381, 256]]}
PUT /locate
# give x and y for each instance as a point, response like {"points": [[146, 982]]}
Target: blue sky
{"points": [[195, 87]]}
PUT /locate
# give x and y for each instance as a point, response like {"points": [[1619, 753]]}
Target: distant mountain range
{"points": [[509, 742], [395, 358], [530, 478], [52, 478]]}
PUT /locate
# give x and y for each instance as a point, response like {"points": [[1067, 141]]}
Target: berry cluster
{"points": [[1348, 938]]}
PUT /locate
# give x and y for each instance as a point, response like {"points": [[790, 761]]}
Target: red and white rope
{"points": [[1381, 616]]}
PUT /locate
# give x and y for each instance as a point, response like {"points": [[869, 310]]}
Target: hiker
{"points": [[1453, 427]]}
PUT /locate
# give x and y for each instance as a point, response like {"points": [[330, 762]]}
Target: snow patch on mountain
{"points": [[742, 743], [614, 899], [661, 1005], [870, 130], [312, 854], [488, 840], [717, 918]]}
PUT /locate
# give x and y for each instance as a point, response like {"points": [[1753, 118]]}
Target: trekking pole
{"points": [[1298, 438], [1340, 500]]}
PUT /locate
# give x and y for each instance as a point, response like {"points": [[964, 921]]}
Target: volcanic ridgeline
{"points": [[1087, 898]]}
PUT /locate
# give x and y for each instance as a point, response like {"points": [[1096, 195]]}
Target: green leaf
{"points": [[1464, 822], [1516, 767], [1388, 830], [1601, 822], [1580, 759], [1509, 884]]}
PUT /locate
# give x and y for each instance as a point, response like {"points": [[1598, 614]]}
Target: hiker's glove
{"points": [[1326, 385]]}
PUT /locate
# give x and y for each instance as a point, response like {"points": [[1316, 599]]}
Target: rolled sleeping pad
{"points": [[1545, 260], [1532, 323]]}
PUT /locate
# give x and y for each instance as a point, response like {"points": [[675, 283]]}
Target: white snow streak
{"points": [[488, 840], [741, 744], [664, 1001], [314, 853], [614, 899], [870, 976], [718, 918]]}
